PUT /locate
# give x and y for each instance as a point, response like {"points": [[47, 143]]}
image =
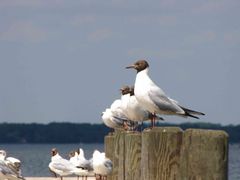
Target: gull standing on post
{"points": [[135, 112], [153, 98], [114, 117]]}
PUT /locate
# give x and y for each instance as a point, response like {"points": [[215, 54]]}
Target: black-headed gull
{"points": [[77, 163], [114, 116], [81, 162], [134, 110], [117, 107], [102, 166], [63, 167], [112, 121], [153, 98]]}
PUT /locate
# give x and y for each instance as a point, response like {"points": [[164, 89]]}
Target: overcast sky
{"points": [[64, 60]]}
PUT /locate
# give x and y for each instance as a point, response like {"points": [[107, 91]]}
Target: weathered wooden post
{"points": [[204, 155], [161, 153], [121, 160], [168, 153], [118, 155], [109, 149], [115, 156], [133, 142]]}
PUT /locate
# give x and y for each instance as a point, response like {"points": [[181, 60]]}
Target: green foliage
{"points": [[84, 133]]}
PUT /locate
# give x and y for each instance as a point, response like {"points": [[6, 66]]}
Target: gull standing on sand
{"points": [[74, 158], [85, 163], [102, 166], [9, 167], [78, 162], [152, 98], [63, 167]]}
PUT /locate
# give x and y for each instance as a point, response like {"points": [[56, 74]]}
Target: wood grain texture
{"points": [[53, 178], [117, 144], [121, 160], [133, 143], [168, 153], [204, 155], [160, 157], [109, 150]]}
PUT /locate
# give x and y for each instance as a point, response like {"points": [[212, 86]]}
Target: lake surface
{"points": [[36, 157]]}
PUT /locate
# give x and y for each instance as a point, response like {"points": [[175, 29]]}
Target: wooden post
{"points": [[109, 149], [121, 160], [204, 155], [118, 157], [168, 153], [161, 153], [133, 143], [115, 155]]}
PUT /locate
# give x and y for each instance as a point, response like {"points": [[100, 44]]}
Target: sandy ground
{"points": [[53, 178]]}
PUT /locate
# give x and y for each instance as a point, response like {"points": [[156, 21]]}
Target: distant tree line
{"points": [[84, 133]]}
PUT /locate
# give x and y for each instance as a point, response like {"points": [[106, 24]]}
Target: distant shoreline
{"points": [[69, 133]]}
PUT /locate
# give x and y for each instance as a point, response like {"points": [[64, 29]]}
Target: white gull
{"points": [[9, 167], [152, 98], [134, 110], [63, 167], [102, 166], [114, 117]]}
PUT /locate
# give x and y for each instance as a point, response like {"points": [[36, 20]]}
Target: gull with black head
{"points": [[63, 167], [114, 117], [152, 98]]}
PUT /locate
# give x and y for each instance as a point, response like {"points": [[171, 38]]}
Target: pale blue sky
{"points": [[64, 60]]}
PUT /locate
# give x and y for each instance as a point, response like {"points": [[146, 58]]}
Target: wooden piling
{"points": [[161, 153], [118, 155], [133, 143], [168, 153], [121, 158], [115, 156], [204, 155], [109, 149]]}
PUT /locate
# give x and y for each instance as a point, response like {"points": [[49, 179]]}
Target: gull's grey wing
{"points": [[6, 170], [86, 164], [61, 165], [119, 121], [163, 102], [91, 164], [190, 111], [108, 163]]}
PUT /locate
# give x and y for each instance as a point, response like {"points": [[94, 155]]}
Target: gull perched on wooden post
{"points": [[152, 97]]}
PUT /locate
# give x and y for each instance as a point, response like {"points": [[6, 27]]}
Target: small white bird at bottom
{"points": [[9, 167], [102, 166]]}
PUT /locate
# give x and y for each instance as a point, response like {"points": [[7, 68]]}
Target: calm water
{"points": [[36, 157]]}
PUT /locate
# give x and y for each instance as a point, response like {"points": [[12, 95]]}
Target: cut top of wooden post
{"points": [[161, 153], [204, 154], [164, 129]]}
